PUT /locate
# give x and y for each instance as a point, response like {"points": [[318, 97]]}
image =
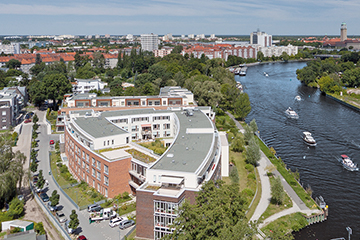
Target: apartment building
{"points": [[149, 42], [86, 85]]}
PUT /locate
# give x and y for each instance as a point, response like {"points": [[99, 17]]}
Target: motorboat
{"points": [[348, 164], [308, 138], [266, 74], [298, 98], [291, 113]]}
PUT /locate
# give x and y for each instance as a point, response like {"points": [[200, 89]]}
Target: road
{"points": [[95, 230]]}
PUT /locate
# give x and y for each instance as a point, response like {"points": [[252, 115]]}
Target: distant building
{"points": [[13, 48], [130, 37], [149, 42], [278, 50], [212, 36], [191, 36], [162, 52], [86, 85], [343, 32], [261, 38]]}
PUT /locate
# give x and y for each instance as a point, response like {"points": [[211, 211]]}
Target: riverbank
{"points": [[346, 100], [280, 61]]}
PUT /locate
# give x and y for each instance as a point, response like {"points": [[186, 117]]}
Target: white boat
{"points": [[298, 98], [266, 75], [308, 138], [291, 113], [348, 164]]}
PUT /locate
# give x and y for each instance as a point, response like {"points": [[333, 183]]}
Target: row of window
{"points": [[94, 173]]}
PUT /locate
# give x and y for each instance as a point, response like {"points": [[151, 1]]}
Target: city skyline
{"points": [[226, 17]]}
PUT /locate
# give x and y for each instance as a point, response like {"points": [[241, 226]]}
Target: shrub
{"points": [[124, 207], [39, 228], [249, 167], [14, 136], [251, 176], [126, 196]]}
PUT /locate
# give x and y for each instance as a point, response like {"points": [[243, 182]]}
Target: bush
{"points": [[234, 175], [14, 136], [16, 208], [249, 167], [126, 196], [251, 176], [39, 228]]}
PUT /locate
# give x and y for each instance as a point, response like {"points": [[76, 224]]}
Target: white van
{"points": [[115, 222], [94, 208]]}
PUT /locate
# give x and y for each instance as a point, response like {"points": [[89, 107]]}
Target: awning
{"points": [[145, 125], [172, 180]]}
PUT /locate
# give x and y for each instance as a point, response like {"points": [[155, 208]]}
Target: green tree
{"points": [[260, 56], [253, 126], [35, 120], [234, 175], [41, 180], [242, 106], [253, 152], [13, 64], [277, 191], [54, 198], [38, 59], [56, 86], [85, 72], [39, 228], [237, 145], [248, 134], [285, 57], [207, 93], [37, 93], [16, 208], [33, 166], [74, 220], [219, 213]]}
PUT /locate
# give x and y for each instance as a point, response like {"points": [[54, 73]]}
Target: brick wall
{"points": [[144, 214]]}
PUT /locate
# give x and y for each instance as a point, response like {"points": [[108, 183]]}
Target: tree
{"points": [[253, 126], [74, 220], [260, 56], [13, 64], [85, 72], [285, 57], [253, 152], [242, 106], [54, 198], [277, 191], [237, 144], [39, 228], [16, 208], [248, 134], [41, 180], [218, 213], [56, 86], [11, 169], [35, 119], [33, 166], [37, 93], [38, 59]]}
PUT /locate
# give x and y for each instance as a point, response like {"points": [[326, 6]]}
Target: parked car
{"points": [[115, 221], [35, 180], [51, 208], [52, 142], [82, 237], [44, 197], [27, 120], [21, 197], [60, 216], [69, 230], [94, 208], [126, 224]]}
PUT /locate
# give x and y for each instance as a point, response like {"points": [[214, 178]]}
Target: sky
{"points": [[220, 17]]}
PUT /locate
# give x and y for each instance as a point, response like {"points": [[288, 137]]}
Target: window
{"points": [[93, 162], [99, 165], [112, 142], [4, 113], [93, 183], [3, 119], [87, 157], [106, 180], [157, 103], [164, 102], [98, 187], [87, 167], [93, 172], [106, 192], [83, 164], [154, 180], [143, 103], [104, 143], [134, 128], [166, 126], [106, 169], [83, 155], [156, 126], [108, 142], [99, 176], [150, 103]]}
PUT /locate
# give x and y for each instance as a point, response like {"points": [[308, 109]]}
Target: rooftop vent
{"points": [[173, 161], [187, 148]]}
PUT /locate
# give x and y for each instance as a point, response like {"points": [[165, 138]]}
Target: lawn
{"points": [[157, 146], [287, 224], [81, 194], [280, 166], [274, 208], [141, 156]]}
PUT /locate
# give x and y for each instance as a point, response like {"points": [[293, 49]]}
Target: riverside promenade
{"points": [[264, 164]]}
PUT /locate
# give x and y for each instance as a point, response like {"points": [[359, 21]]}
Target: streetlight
{"points": [[349, 231]]}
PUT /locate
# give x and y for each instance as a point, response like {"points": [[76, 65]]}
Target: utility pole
{"points": [[349, 231]]}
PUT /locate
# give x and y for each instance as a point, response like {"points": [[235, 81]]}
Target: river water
{"points": [[336, 129]]}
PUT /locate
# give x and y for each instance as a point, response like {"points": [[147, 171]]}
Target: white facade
{"points": [[86, 85], [278, 50], [261, 38], [149, 42], [13, 48]]}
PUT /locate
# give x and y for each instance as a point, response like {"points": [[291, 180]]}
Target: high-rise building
{"points": [[261, 38], [149, 42], [343, 32]]}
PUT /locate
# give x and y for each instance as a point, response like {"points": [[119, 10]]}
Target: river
{"points": [[334, 126]]}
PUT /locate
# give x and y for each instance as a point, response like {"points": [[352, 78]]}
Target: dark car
{"points": [[35, 180], [44, 197], [126, 224]]}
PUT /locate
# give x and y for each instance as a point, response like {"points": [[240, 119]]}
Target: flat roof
{"points": [[98, 126], [115, 154], [189, 150]]}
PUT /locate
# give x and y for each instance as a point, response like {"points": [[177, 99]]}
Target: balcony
{"points": [[137, 175]]}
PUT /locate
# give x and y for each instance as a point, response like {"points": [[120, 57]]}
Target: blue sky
{"points": [[230, 17]]}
